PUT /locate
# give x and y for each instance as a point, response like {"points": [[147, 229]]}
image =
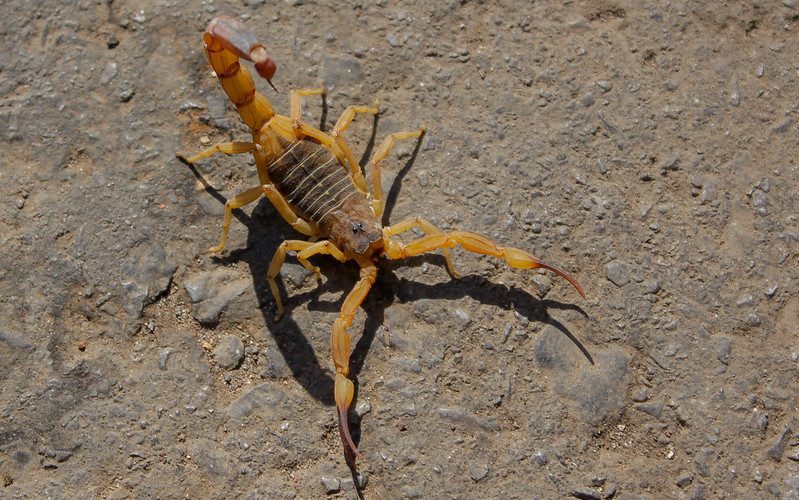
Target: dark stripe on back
{"points": [[312, 180]]}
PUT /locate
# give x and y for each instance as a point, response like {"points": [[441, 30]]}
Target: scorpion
{"points": [[314, 182]]}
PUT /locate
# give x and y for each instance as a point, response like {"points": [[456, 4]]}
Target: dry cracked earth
{"points": [[650, 149]]}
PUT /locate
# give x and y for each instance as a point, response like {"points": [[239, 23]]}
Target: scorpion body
{"points": [[317, 186]]}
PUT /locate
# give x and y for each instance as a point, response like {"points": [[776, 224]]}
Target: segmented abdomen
{"points": [[312, 180]]}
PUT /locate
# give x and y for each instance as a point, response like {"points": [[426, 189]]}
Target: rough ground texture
{"points": [[650, 151]]}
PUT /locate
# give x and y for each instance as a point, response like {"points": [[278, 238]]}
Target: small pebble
{"points": [[478, 472], [411, 492], [230, 352], [672, 164], [778, 447], [759, 198], [463, 317], [723, 349], [586, 494], [423, 178], [709, 192], [641, 395], [618, 272], [605, 85], [126, 95], [331, 484], [543, 283], [163, 357], [108, 73], [735, 95], [540, 458], [362, 408], [761, 421], [654, 409]]}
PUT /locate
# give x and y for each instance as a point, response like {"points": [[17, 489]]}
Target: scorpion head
{"points": [[356, 230]]}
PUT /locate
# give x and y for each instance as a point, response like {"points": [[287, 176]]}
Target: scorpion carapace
{"points": [[315, 183]]}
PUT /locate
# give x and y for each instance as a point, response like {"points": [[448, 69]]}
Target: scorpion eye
{"points": [[357, 227]]}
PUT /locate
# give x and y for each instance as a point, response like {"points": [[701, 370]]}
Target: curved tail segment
{"points": [[226, 41]]}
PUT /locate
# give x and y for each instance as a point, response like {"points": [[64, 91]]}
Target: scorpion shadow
{"points": [[265, 234]]}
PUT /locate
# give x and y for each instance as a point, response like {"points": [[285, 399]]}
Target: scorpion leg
{"points": [[374, 167], [474, 243], [342, 124], [340, 347], [277, 263], [295, 101], [229, 148], [428, 229], [251, 195], [306, 250], [285, 211], [238, 201]]}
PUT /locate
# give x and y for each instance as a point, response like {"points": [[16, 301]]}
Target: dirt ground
{"points": [[651, 151]]}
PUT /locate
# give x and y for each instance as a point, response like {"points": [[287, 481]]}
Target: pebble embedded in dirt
{"points": [[210, 458], [229, 353], [331, 484], [149, 273], [723, 349], [274, 364], [618, 272], [605, 85], [540, 458], [212, 292], [478, 471], [586, 494], [778, 447], [163, 357], [14, 341], [264, 400]]}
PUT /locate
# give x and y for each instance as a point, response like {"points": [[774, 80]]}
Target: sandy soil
{"points": [[649, 150]]}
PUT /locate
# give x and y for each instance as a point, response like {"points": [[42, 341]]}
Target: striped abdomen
{"points": [[313, 181]]}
